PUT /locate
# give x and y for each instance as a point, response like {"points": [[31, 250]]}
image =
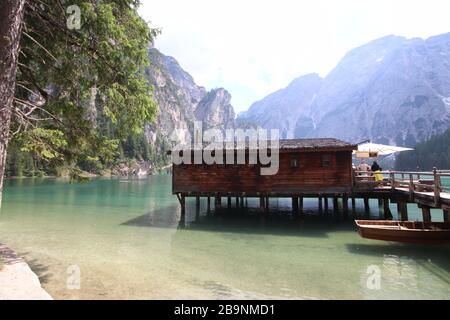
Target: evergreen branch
{"points": [[27, 89], [33, 81], [41, 46], [35, 107]]}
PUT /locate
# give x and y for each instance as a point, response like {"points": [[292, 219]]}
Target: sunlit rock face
{"points": [[215, 110], [392, 90], [181, 102]]}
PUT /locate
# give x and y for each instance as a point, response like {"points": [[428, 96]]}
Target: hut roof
{"points": [[322, 143], [290, 145]]}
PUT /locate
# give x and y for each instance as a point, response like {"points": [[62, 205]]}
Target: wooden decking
{"points": [[426, 189], [423, 188]]}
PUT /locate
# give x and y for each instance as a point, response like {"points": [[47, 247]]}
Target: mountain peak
{"points": [[391, 90], [305, 80]]}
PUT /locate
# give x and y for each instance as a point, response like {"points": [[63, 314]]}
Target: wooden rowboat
{"points": [[405, 231]]}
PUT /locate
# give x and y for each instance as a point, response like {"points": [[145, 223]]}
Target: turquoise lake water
{"points": [[126, 239]]}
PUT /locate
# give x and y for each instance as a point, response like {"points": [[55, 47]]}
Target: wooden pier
{"points": [[313, 168], [400, 187]]}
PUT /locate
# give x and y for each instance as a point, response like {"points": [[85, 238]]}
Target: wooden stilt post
{"points": [[295, 206], [411, 188], [366, 205], [437, 187], [229, 203], [402, 209], [262, 205], [353, 205], [237, 202], [218, 203], [345, 205], [182, 222], [335, 204], [197, 207], [446, 215], [380, 205], [242, 202], [325, 200], [300, 204], [267, 205], [183, 205], [208, 205], [387, 209], [426, 214], [320, 205]]}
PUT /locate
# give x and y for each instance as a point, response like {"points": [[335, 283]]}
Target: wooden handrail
{"points": [[403, 173], [399, 172], [392, 181], [422, 173], [426, 181]]}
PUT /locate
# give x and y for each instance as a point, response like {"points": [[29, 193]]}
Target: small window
{"points": [[294, 161], [326, 161]]}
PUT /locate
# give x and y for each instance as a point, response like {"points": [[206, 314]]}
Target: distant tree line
{"points": [[21, 163], [427, 155]]}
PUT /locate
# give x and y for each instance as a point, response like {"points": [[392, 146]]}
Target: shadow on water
{"points": [[250, 221], [160, 218]]}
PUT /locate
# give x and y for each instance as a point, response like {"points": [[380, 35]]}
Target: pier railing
{"points": [[413, 182]]}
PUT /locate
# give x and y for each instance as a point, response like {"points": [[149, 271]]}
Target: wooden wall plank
{"points": [[310, 175]]}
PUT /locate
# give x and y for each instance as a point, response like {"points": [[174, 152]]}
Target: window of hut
{"points": [[326, 161], [294, 161]]}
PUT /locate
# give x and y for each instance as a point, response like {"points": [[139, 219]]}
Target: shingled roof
{"points": [[322, 143], [307, 145]]}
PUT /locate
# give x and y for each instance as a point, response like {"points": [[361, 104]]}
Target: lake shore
{"points": [[17, 280]]}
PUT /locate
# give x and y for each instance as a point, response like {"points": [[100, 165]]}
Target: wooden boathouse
{"points": [[309, 168], [306, 167]]}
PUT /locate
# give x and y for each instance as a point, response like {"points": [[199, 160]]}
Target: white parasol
{"points": [[370, 150]]}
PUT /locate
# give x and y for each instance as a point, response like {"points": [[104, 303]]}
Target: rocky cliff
{"points": [[181, 102], [392, 90], [215, 110]]}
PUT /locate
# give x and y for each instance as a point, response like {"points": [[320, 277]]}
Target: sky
{"points": [[255, 47]]}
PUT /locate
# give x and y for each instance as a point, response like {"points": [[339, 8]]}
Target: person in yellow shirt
{"points": [[376, 169]]}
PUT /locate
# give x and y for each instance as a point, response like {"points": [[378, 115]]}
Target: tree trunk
{"points": [[11, 16]]}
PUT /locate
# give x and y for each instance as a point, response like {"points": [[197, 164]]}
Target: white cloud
{"points": [[254, 47]]}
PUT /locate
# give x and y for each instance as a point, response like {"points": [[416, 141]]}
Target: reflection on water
{"points": [[129, 241]]}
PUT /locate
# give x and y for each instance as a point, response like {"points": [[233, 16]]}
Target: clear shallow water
{"points": [[127, 240]]}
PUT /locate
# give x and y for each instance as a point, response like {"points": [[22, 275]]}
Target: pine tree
{"points": [[434, 153], [68, 78], [11, 16]]}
